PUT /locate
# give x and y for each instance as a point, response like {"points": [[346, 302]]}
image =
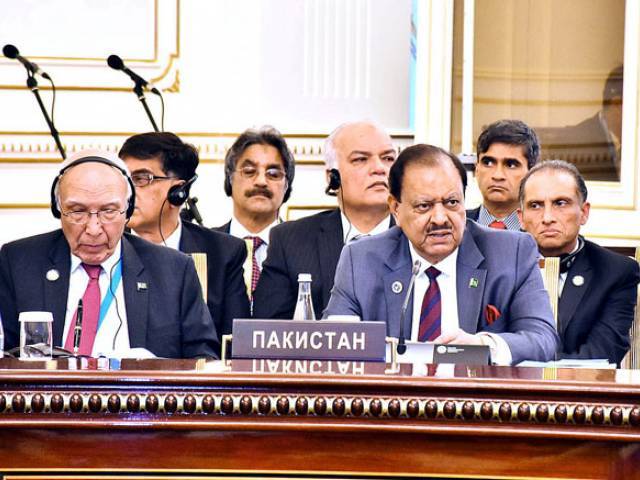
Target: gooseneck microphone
{"points": [[77, 330], [10, 51], [402, 347], [115, 62]]}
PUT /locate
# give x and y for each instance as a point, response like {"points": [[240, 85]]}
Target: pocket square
{"points": [[491, 314]]}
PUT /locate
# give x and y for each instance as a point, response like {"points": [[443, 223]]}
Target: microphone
{"points": [[115, 62], [402, 347], [77, 330], [10, 51], [193, 210]]}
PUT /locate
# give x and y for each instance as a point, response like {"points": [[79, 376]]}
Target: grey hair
{"points": [[329, 149], [559, 166]]}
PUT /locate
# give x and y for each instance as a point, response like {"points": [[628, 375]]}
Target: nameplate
{"points": [[308, 367], [309, 340]]}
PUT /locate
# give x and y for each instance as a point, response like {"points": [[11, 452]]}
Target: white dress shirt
{"points": [[349, 231], [500, 352], [172, 241], [239, 231], [114, 324]]}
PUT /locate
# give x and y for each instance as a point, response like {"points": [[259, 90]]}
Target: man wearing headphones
{"points": [[258, 176], [163, 168], [133, 293], [358, 157], [598, 288]]}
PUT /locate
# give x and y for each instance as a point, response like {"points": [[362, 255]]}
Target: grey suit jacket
{"points": [[168, 317], [505, 265]]}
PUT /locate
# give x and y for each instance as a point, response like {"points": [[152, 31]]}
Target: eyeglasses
{"points": [[83, 217], [272, 174], [142, 179]]}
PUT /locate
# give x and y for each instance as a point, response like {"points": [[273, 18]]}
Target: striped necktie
{"points": [[91, 313], [430, 315]]}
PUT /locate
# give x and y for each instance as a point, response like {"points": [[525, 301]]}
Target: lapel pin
{"points": [[578, 280], [473, 282], [396, 287], [141, 286], [53, 275]]}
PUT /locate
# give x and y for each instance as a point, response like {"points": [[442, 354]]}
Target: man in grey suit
{"points": [[134, 293], [474, 285]]}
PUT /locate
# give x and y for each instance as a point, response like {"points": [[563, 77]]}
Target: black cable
{"points": [[53, 101], [162, 117], [160, 221]]}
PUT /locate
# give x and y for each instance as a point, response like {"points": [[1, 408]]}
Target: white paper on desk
{"points": [[137, 353], [597, 363]]}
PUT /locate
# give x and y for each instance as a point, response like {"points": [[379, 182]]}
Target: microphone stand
{"points": [[32, 84], [191, 212], [138, 90]]}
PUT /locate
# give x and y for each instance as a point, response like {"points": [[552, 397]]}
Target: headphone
{"points": [[334, 182], [178, 194], [93, 159], [567, 259]]}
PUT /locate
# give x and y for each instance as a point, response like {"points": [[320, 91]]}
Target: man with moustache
{"points": [[134, 293], [258, 176], [475, 285], [598, 288], [163, 168], [358, 157], [506, 150]]}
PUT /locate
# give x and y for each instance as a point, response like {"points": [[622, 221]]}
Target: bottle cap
{"points": [[304, 277]]}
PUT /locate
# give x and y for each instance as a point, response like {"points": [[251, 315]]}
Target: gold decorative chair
{"points": [[200, 261]]}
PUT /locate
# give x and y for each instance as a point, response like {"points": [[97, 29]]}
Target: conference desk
{"points": [[192, 419]]}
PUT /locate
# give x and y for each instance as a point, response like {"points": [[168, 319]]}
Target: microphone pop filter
{"points": [[10, 51], [114, 61]]}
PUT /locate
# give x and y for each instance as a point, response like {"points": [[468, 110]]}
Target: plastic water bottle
{"points": [[304, 305]]}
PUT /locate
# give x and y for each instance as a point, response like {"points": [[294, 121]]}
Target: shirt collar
{"points": [[239, 231], [172, 241], [107, 265], [447, 266], [511, 221], [349, 231]]}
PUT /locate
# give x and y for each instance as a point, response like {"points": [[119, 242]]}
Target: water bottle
{"points": [[304, 306]]}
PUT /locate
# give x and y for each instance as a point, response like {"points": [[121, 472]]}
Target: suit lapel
{"points": [[398, 264], [571, 294], [330, 243], [57, 291], [468, 274], [136, 294]]}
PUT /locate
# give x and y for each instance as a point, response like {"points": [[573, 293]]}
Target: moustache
{"points": [[444, 228], [265, 192]]}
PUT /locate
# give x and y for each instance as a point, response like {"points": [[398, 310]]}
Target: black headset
{"points": [[178, 194], [334, 182], [131, 200]]}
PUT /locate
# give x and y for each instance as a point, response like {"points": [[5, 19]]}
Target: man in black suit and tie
{"points": [[506, 150], [598, 288], [134, 293], [163, 168], [258, 176], [358, 157]]}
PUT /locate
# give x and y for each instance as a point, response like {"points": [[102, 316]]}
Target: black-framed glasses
{"points": [[82, 217], [273, 174], [142, 179]]}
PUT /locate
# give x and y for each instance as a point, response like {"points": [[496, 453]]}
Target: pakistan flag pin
{"points": [[473, 282]]}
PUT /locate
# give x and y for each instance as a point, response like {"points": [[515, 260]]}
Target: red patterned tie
{"points": [[431, 309], [498, 225], [91, 313], [255, 268]]}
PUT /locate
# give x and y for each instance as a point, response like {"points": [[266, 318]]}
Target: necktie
{"points": [[91, 313], [256, 242], [498, 225], [431, 309]]}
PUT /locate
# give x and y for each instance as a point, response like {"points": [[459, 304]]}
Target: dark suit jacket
{"points": [[494, 268], [226, 228], [308, 245], [169, 317], [594, 318], [474, 213], [226, 292]]}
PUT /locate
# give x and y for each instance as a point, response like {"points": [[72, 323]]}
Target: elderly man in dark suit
{"points": [[358, 157], [134, 293], [163, 168], [473, 285], [598, 288]]}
